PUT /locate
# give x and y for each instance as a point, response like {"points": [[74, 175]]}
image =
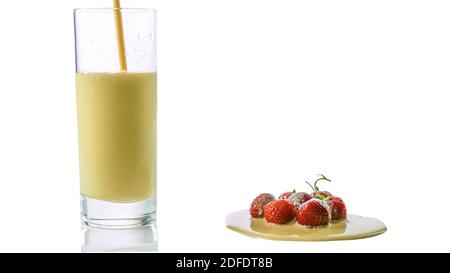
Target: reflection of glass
{"points": [[116, 117], [131, 239]]}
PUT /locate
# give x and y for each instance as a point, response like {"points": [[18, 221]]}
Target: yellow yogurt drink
{"points": [[117, 135]]}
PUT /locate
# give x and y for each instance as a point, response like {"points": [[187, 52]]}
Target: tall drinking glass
{"points": [[116, 105]]}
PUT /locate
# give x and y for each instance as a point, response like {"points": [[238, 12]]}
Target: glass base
{"points": [[104, 214]]}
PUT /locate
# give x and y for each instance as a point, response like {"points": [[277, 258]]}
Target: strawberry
{"points": [[337, 208], [258, 204], [299, 198], [313, 213], [279, 211], [285, 195]]}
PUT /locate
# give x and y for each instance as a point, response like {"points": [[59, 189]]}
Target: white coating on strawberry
{"points": [[299, 198]]}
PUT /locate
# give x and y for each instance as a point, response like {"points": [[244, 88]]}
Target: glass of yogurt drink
{"points": [[116, 110]]}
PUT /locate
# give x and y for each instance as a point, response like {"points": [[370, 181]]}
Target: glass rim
{"points": [[77, 10]]}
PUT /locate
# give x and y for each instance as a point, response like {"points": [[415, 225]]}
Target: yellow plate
{"points": [[355, 227]]}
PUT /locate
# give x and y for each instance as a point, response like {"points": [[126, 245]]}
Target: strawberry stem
{"points": [[310, 185], [322, 177]]}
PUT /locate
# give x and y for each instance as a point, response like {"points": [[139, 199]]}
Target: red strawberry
{"points": [[321, 194], [313, 213], [299, 198], [279, 211], [258, 204], [337, 208], [285, 195]]}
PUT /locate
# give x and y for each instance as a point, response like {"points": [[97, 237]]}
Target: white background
{"points": [[254, 96]]}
